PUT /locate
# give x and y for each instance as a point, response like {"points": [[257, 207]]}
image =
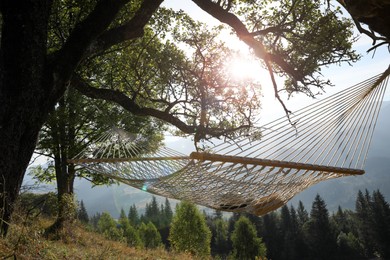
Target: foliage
{"points": [[94, 220], [221, 237], [152, 213], [318, 231], [282, 234], [167, 213], [183, 74], [160, 216], [76, 123], [306, 34], [133, 216], [25, 240], [69, 206], [70, 128], [270, 235], [132, 236], [373, 216], [189, 232], [349, 246], [108, 226], [37, 204], [150, 236], [82, 213], [246, 244]]}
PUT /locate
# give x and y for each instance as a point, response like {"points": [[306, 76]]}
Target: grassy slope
{"points": [[25, 241]]}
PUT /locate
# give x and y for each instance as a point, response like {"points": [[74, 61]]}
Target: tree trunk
{"points": [[23, 95], [65, 176], [63, 137]]}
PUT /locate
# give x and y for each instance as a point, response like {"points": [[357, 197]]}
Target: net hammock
{"points": [[258, 172]]}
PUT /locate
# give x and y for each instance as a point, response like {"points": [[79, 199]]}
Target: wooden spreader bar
{"points": [[128, 159], [273, 163]]}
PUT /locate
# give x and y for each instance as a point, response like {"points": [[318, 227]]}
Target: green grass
{"points": [[26, 240]]}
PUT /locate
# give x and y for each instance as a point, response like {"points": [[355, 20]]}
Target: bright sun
{"points": [[244, 69]]}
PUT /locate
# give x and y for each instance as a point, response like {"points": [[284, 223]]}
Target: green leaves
{"points": [[300, 37], [189, 232], [246, 244]]}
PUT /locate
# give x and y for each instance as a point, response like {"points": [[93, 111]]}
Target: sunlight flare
{"points": [[241, 68]]}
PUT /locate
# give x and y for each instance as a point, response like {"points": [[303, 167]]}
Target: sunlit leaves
{"points": [[179, 67], [306, 34]]}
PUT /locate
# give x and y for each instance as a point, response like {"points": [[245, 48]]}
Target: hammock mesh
{"points": [[258, 172]]}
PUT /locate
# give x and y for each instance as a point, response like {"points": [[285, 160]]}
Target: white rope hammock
{"points": [[261, 171]]}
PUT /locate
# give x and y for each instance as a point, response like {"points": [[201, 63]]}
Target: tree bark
{"points": [[23, 91], [63, 136]]}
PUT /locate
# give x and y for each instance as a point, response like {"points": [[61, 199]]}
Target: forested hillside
{"points": [[185, 231]]}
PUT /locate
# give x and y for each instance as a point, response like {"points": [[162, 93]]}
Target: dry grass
{"points": [[26, 241]]}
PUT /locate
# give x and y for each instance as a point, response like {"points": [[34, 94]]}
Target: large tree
{"points": [[35, 70], [319, 232]]}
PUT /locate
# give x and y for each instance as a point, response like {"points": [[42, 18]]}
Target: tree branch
{"points": [[129, 104], [84, 33], [243, 34], [130, 30]]}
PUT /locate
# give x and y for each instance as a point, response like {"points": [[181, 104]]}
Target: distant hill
{"points": [[335, 192]]}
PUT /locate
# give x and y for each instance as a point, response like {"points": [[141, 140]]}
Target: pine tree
{"points": [[133, 216], [168, 213], [364, 218], [189, 232], [132, 236], [288, 234], [319, 235], [381, 224], [299, 248], [218, 214], [82, 214], [220, 238], [349, 246], [271, 236], [341, 221], [94, 220], [122, 214], [108, 226], [246, 244], [152, 213], [149, 235], [302, 214]]}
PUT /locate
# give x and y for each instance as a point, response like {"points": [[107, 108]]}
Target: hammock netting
{"points": [[258, 172]]}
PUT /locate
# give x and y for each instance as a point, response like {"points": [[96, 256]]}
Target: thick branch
{"points": [[85, 33], [129, 104], [130, 30], [243, 34]]}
